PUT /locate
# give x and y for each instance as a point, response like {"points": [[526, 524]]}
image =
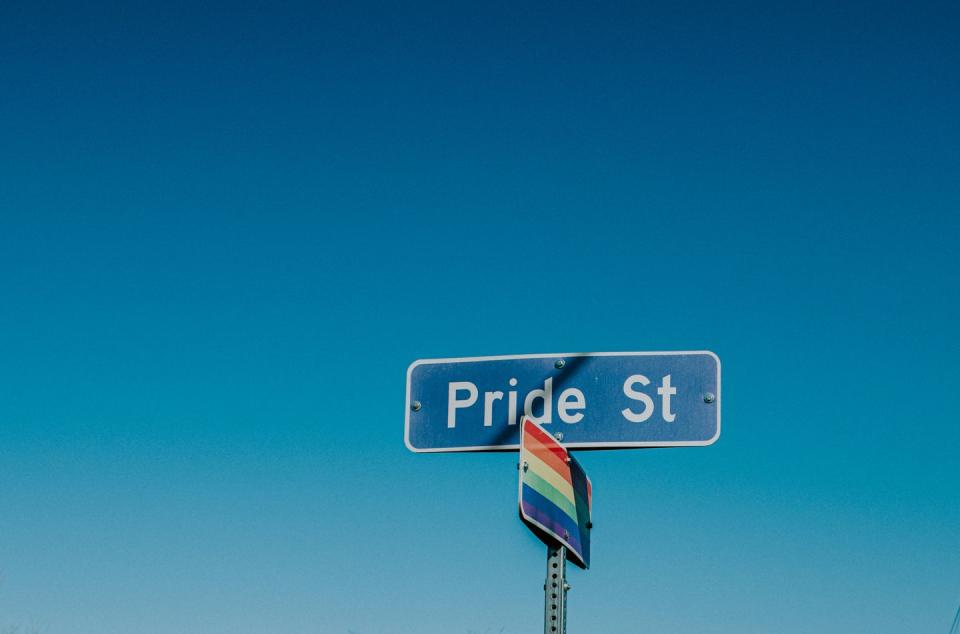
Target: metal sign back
{"points": [[556, 497]]}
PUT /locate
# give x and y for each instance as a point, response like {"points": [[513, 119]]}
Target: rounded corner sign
{"points": [[556, 496], [599, 400]]}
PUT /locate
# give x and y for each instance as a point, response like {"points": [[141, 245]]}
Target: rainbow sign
{"points": [[555, 493]]}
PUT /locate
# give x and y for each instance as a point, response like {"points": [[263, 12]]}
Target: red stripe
{"points": [[548, 441], [547, 453]]}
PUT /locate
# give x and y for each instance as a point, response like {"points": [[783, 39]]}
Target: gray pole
{"points": [[555, 592]]}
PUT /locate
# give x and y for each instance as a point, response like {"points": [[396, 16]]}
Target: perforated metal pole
{"points": [[555, 592]]}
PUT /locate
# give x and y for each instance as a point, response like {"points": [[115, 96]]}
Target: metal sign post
{"points": [[555, 592], [548, 404], [556, 504]]}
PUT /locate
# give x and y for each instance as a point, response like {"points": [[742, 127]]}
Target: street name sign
{"points": [[555, 494], [599, 400]]}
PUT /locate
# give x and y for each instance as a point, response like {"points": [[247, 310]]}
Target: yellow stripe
{"points": [[550, 476]]}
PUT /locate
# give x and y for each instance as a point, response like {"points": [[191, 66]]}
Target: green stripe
{"points": [[548, 491]]}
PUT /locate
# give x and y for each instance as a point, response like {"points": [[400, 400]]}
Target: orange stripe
{"points": [[548, 457], [551, 461]]}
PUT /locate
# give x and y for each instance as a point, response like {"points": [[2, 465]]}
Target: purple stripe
{"points": [[551, 524]]}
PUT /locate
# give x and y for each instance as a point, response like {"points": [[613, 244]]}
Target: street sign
{"points": [[555, 494], [596, 400]]}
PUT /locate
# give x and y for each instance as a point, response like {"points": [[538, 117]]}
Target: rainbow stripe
{"points": [[555, 493]]}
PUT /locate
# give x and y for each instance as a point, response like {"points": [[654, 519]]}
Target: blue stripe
{"points": [[559, 520]]}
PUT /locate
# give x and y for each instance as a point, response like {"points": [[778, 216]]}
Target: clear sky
{"points": [[227, 229]]}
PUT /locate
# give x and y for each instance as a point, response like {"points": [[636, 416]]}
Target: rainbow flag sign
{"points": [[555, 493]]}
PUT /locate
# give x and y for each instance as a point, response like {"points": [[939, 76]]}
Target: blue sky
{"points": [[226, 230]]}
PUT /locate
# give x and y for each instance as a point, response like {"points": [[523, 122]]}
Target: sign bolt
{"points": [[559, 363], [709, 397], [558, 435], [415, 406], [525, 465]]}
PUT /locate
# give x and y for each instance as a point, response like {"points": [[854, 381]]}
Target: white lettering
{"points": [[564, 404], [545, 395], [666, 391], [512, 404], [628, 390], [453, 403], [488, 399]]}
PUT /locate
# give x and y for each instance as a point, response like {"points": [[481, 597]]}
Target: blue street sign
{"points": [[597, 400]]}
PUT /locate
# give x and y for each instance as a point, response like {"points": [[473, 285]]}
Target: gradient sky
{"points": [[227, 228]]}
